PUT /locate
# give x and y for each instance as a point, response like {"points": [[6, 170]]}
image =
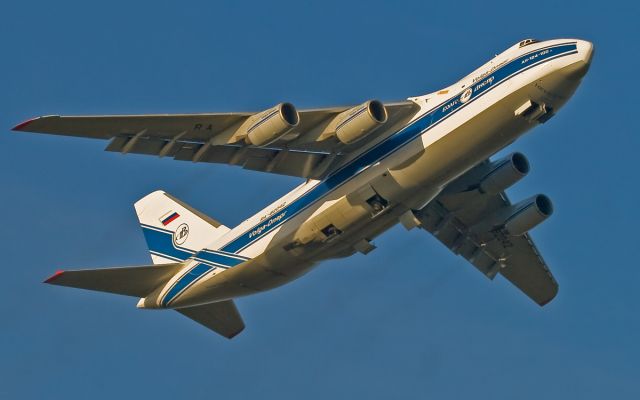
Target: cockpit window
{"points": [[527, 42]]}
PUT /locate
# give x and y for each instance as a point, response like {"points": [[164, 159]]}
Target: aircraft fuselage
{"points": [[454, 129]]}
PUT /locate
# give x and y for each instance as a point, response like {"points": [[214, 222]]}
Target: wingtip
{"points": [[54, 276], [235, 333], [548, 300], [24, 124]]}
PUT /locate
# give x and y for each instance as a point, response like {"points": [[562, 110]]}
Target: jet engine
{"points": [[528, 214], [504, 173], [518, 219], [357, 122], [268, 126]]}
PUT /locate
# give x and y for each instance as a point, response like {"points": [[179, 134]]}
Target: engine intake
{"points": [[357, 122], [268, 126], [504, 173]]}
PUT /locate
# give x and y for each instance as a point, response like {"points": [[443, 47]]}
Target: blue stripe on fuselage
{"points": [[187, 279], [219, 259], [160, 242]]}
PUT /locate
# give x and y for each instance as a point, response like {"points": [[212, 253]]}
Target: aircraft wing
{"points": [[305, 151], [450, 218]]}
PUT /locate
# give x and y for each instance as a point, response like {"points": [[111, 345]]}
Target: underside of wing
{"points": [[222, 318], [308, 143], [481, 224]]}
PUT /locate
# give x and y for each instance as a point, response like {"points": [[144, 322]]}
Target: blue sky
{"points": [[408, 320]]}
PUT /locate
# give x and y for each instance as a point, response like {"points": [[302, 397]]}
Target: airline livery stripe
{"points": [[238, 256], [166, 295], [183, 283], [155, 253], [219, 259], [160, 243]]}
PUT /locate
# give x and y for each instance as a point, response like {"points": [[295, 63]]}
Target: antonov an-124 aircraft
{"points": [[423, 162]]}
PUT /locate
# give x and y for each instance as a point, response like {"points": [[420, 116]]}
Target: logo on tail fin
{"points": [[181, 234]]}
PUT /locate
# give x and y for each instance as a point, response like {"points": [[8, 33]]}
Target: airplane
{"points": [[423, 162]]}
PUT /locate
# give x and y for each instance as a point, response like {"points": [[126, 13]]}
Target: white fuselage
{"points": [[454, 129]]}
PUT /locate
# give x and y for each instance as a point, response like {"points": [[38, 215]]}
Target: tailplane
{"points": [[128, 281], [222, 318], [174, 231]]}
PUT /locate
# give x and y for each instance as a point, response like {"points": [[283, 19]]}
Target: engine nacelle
{"points": [[357, 122], [268, 126], [518, 219], [528, 214], [504, 173]]}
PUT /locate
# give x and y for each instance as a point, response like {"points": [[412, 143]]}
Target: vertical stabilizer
{"points": [[174, 231]]}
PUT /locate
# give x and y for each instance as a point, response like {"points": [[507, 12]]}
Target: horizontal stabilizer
{"points": [[128, 281], [222, 318]]}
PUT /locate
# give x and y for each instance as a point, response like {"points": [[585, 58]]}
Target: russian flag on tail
{"points": [[169, 217]]}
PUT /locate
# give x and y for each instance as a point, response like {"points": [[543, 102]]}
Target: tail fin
{"points": [[174, 231]]}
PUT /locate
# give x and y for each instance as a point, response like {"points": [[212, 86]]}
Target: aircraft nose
{"points": [[578, 70], [585, 49]]}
